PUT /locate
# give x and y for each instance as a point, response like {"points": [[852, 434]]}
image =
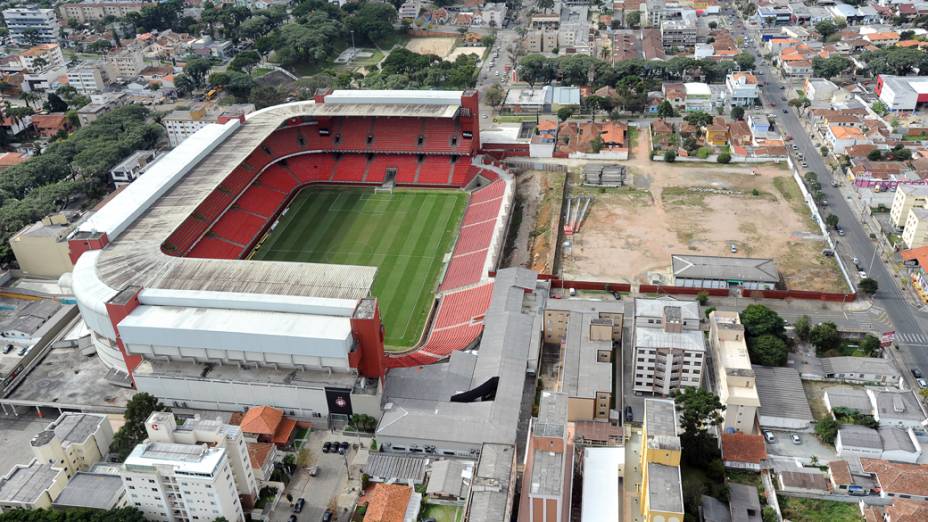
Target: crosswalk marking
{"points": [[912, 338]]}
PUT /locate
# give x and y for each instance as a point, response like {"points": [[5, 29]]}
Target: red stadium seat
{"points": [[474, 237], [434, 170], [350, 168], [213, 248], [239, 227], [463, 307], [262, 201], [464, 270], [312, 167], [397, 134], [278, 178]]}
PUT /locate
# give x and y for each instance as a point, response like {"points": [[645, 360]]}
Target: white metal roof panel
{"points": [[258, 302], [395, 96], [601, 473]]}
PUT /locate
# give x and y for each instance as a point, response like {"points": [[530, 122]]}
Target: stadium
{"points": [[290, 256]]}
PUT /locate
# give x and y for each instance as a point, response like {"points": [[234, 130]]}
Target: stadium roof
{"points": [[139, 219]]}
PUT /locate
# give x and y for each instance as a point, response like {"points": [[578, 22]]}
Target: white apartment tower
{"points": [[162, 427], [737, 384], [181, 482], [670, 349], [30, 26]]}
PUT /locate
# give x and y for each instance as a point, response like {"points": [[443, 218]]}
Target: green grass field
{"points": [[405, 234]]}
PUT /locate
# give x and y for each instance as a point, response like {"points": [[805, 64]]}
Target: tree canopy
{"points": [[759, 320], [139, 408], [126, 514]]}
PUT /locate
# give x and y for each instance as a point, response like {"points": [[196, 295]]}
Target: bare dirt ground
{"points": [[533, 245], [461, 51], [439, 46], [631, 233]]}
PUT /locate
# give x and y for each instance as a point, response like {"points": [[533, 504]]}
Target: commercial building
{"points": [[661, 483], [902, 93], [734, 376], [887, 443], [132, 167], [99, 105], [899, 408], [162, 428], [41, 249], [588, 333], [862, 370], [679, 33], [29, 25], [742, 89], [698, 97], [841, 137], [548, 475], [723, 272], [74, 442], [90, 10], [783, 403], [168, 481], [819, 90], [603, 472], [31, 486], [670, 349]]}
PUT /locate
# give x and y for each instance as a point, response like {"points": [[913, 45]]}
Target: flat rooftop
{"points": [[234, 373], [547, 474], [77, 427], [91, 490], [602, 492], [660, 417], [489, 499], [188, 458], [552, 415], [665, 491], [718, 268], [24, 484], [781, 394]]}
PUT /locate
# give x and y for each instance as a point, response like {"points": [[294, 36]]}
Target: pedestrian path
{"points": [[917, 339]]}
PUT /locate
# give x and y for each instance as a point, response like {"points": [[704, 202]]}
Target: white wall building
{"points": [[74, 442], [169, 482], [737, 386], [29, 26], [86, 79], [742, 89], [669, 347], [132, 167]]}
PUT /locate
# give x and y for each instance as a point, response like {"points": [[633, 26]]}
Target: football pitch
{"points": [[404, 233]]}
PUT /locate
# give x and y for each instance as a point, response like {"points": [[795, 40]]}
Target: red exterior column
{"points": [[118, 308], [368, 330], [81, 243], [471, 120]]}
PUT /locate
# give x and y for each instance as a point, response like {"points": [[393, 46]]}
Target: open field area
{"points": [[703, 209], [439, 46], [463, 51], [405, 234], [811, 510]]}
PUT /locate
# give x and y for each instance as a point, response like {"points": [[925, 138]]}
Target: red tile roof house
{"points": [[897, 479], [48, 125], [268, 424], [391, 502], [743, 451]]}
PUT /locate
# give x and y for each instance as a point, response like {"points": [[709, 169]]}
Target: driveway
{"points": [[810, 446]]}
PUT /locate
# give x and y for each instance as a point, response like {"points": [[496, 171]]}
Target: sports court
{"points": [[405, 233]]}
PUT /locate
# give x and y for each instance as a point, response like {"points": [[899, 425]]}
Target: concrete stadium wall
{"points": [[800, 294]]}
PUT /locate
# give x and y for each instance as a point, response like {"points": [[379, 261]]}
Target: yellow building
{"points": [[906, 198], [662, 486], [915, 233], [41, 249]]}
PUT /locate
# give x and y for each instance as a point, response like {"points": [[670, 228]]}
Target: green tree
{"points": [[596, 144], [830, 67], [699, 410], [737, 113], [870, 345], [702, 298], [900, 153], [138, 409], [373, 21], [759, 320], [832, 221], [494, 95], [698, 118], [879, 107], [868, 286], [564, 113], [240, 85], [803, 328], [768, 514], [536, 68], [745, 61], [827, 430], [724, 157], [633, 19], [670, 156], [545, 5], [665, 110], [196, 70], [826, 28], [184, 85], [825, 336], [875, 155], [768, 350], [245, 60]]}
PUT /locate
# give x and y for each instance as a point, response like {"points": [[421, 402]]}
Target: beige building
{"points": [[540, 41], [31, 486], [737, 388], [906, 198], [548, 475], [126, 62], [588, 333], [74, 442], [915, 233], [670, 349], [88, 11], [87, 78], [41, 249]]}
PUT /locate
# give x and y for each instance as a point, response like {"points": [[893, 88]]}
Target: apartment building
{"points": [[679, 33], [905, 199], [99, 105], [915, 230], [180, 482], [74, 442], [546, 486], [43, 64], [540, 41], [132, 167], [669, 347], [737, 386], [29, 26], [31, 486], [183, 124], [125, 62], [661, 482], [162, 427], [742, 89], [89, 11], [87, 79]]}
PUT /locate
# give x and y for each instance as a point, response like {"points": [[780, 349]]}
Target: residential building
{"points": [[169, 481], [91, 10], [679, 33], [862, 370], [902, 93], [546, 483], [11, 159], [409, 10], [205, 46], [49, 125], [819, 90], [262, 456], [915, 231], [162, 428], [744, 503], [723, 272], [588, 333], [493, 15], [669, 346], [31, 486], [74, 442], [540, 41], [87, 78], [801, 482], [661, 485], [41, 249], [181, 125], [841, 137], [125, 62], [132, 167], [393, 503], [737, 387], [29, 25], [742, 450], [783, 403], [43, 65], [99, 105], [905, 199], [450, 480], [742, 89], [267, 424], [90, 490], [698, 97], [908, 481]]}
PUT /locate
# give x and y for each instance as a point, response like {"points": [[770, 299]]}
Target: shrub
{"points": [[724, 158]]}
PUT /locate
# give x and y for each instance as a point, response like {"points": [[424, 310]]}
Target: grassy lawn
{"points": [[405, 234], [811, 510], [258, 72], [750, 478], [442, 513]]}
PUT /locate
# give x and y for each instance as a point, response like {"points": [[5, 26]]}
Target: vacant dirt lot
{"points": [[437, 46], [676, 208]]}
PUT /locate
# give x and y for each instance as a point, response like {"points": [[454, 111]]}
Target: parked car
{"points": [[343, 447], [840, 231], [733, 248], [313, 471], [22, 351], [857, 491], [922, 383], [629, 415], [916, 373], [862, 274], [327, 447], [804, 164], [785, 111], [292, 518], [769, 436], [795, 438], [8, 349], [298, 507], [328, 516]]}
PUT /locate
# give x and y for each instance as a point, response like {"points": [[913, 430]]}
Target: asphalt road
{"points": [[911, 336]]}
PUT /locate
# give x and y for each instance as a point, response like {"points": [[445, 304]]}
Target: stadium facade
{"points": [[176, 309]]}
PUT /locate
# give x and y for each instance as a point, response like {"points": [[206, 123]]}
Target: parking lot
{"points": [[808, 446]]}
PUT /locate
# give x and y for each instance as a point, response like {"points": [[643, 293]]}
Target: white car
{"points": [[922, 383], [795, 438], [770, 438]]}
